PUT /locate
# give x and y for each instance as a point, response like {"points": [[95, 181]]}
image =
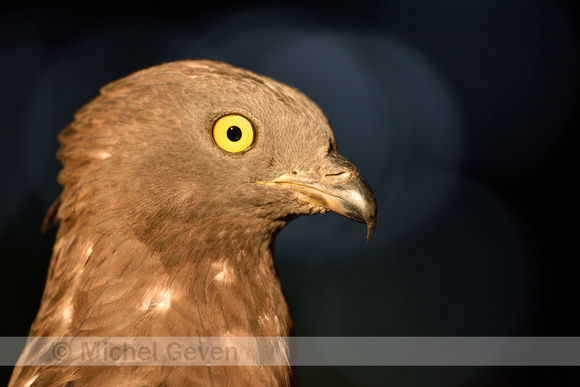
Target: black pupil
{"points": [[234, 133]]}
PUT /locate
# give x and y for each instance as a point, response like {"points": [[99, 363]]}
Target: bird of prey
{"points": [[176, 180]]}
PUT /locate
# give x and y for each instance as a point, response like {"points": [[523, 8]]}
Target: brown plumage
{"points": [[164, 233]]}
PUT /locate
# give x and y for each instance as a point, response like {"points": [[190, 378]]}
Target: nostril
{"points": [[335, 174], [339, 176]]}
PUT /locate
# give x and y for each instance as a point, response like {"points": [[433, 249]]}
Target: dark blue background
{"points": [[462, 115]]}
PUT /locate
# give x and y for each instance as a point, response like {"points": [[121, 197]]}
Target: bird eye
{"points": [[233, 133]]}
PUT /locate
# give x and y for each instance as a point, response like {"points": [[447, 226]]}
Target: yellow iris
{"points": [[233, 133]]}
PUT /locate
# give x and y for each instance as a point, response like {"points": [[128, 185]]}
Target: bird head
{"points": [[193, 141]]}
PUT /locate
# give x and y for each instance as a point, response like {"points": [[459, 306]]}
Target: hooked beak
{"points": [[336, 186]]}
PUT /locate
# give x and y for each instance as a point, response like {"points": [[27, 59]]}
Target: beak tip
{"points": [[371, 226], [369, 234]]}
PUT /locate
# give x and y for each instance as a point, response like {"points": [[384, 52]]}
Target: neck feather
{"points": [[212, 279]]}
